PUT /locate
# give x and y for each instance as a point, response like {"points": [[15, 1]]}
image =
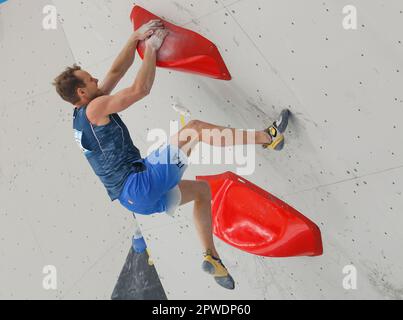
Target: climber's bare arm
{"points": [[126, 57], [98, 110]]}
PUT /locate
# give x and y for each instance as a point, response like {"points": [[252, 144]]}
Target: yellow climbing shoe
{"points": [[277, 139], [216, 268], [276, 131]]}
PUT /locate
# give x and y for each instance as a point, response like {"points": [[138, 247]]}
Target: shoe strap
{"points": [[273, 131], [274, 134]]}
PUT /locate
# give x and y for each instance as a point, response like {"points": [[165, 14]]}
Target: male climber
{"points": [[147, 186]]}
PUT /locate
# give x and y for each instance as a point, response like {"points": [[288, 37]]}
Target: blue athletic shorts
{"points": [[155, 189]]}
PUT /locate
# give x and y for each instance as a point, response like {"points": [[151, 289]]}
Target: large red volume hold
{"points": [[183, 50], [251, 219]]}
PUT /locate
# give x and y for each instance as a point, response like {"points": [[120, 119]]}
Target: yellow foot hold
{"points": [[150, 261]]}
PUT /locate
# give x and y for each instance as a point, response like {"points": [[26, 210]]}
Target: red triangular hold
{"points": [[183, 50], [251, 219]]}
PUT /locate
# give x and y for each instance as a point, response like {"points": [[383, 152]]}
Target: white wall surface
{"points": [[342, 167]]}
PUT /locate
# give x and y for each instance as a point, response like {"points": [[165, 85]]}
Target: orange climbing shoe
{"points": [[216, 268], [276, 131]]}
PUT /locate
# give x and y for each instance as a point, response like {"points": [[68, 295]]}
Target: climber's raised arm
{"points": [[126, 57]]}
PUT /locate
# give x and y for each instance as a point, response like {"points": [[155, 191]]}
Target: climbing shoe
{"points": [[216, 268], [276, 131]]}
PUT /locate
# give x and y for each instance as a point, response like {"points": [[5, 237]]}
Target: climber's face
{"points": [[90, 91]]}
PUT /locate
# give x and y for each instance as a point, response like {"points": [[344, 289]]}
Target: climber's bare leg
{"points": [[198, 131], [199, 192]]}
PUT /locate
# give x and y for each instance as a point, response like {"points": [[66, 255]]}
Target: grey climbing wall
{"points": [[342, 167]]}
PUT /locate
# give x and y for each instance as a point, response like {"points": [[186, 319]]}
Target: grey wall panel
{"points": [[29, 54]]}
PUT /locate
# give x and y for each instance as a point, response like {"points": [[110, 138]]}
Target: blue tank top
{"points": [[109, 149]]}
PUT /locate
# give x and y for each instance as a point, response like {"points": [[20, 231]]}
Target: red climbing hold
{"points": [[251, 219], [183, 50]]}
